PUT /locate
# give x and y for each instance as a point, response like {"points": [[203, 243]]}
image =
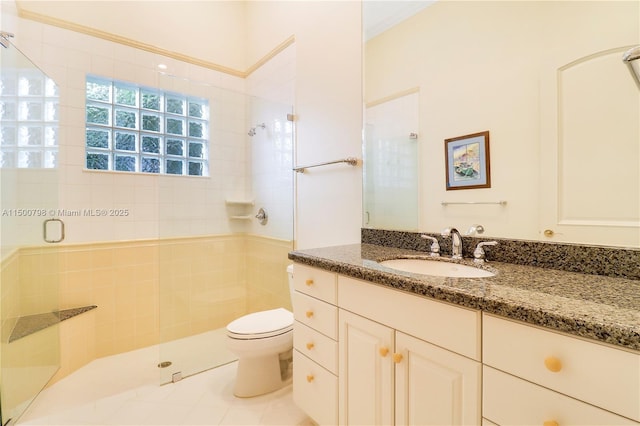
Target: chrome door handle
{"points": [[45, 230]]}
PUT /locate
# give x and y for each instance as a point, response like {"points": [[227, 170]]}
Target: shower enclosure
{"points": [[29, 279], [189, 255]]}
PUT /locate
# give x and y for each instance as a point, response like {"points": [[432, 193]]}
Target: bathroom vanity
{"points": [[529, 345]]}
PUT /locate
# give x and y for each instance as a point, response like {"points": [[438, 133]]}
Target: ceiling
{"points": [[380, 15]]}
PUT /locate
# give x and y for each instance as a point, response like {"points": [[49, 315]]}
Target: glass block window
{"points": [[29, 107], [133, 128]]}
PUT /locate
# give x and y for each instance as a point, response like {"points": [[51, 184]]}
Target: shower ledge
{"points": [[30, 324]]}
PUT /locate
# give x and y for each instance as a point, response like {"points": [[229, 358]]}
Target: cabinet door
{"points": [[435, 386], [366, 371]]}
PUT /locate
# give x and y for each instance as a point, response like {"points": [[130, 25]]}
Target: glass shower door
{"points": [[30, 342], [217, 262]]}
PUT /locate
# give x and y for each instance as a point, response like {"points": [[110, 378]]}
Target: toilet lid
{"points": [[262, 322]]}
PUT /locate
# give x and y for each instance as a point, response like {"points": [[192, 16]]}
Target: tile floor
{"points": [[123, 390]]}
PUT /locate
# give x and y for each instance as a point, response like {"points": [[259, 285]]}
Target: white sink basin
{"points": [[436, 268]]}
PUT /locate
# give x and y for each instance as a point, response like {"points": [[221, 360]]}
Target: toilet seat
{"points": [[260, 325]]}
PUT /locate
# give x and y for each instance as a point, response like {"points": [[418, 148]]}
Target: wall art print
{"points": [[467, 161]]}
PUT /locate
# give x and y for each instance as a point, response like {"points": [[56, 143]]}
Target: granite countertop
{"points": [[601, 308]]}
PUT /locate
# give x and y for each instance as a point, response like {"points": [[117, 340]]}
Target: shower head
{"points": [[4, 38], [252, 131], [632, 58]]}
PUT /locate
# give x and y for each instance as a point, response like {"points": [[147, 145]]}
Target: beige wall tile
{"points": [[147, 292]]}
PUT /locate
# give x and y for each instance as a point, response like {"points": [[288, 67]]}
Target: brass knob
{"points": [[309, 282], [550, 423], [310, 345], [548, 233], [309, 314], [310, 378], [384, 351], [397, 358], [553, 364]]}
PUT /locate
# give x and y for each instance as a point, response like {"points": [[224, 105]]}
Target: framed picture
{"points": [[467, 161]]}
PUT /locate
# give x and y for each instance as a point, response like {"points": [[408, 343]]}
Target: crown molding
{"points": [[392, 97], [60, 23]]}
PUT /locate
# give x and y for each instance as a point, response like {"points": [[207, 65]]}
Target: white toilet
{"points": [[263, 343]]}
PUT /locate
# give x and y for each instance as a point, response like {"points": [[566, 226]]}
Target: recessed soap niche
{"points": [[239, 209]]}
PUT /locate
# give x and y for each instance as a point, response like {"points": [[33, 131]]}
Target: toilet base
{"points": [[260, 375]]}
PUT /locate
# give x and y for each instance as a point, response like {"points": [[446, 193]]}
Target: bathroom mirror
{"points": [[546, 79]]}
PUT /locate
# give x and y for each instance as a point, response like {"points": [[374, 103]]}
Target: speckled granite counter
{"points": [[596, 307]]}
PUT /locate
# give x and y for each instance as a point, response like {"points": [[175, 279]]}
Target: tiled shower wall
{"points": [[148, 292], [163, 206]]}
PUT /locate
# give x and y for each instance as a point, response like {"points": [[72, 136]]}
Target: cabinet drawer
{"points": [[316, 346], [316, 314], [315, 282], [508, 400], [448, 326], [315, 390], [592, 372]]}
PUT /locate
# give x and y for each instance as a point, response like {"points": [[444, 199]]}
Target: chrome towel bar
{"points": [[446, 203], [352, 161]]}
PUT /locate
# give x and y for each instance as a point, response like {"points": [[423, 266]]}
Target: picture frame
{"points": [[467, 161]]}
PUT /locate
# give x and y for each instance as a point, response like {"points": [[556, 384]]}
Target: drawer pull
{"points": [[550, 423], [310, 378], [553, 364], [397, 358], [310, 345], [309, 314], [384, 351], [309, 282]]}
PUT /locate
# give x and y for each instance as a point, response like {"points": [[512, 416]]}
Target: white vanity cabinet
{"points": [[395, 362], [315, 334], [536, 376], [366, 354]]}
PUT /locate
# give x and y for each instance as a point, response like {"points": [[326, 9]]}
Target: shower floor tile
{"points": [[123, 390]]}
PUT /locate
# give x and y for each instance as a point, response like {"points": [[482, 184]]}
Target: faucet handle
{"points": [[435, 246], [478, 253]]}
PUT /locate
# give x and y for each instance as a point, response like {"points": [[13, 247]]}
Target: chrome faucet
{"points": [[456, 242]]}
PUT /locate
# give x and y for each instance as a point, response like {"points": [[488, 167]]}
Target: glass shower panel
{"points": [[271, 180], [209, 237], [390, 151], [29, 278]]}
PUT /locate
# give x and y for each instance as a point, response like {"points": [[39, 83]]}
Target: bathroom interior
{"points": [[152, 259]]}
